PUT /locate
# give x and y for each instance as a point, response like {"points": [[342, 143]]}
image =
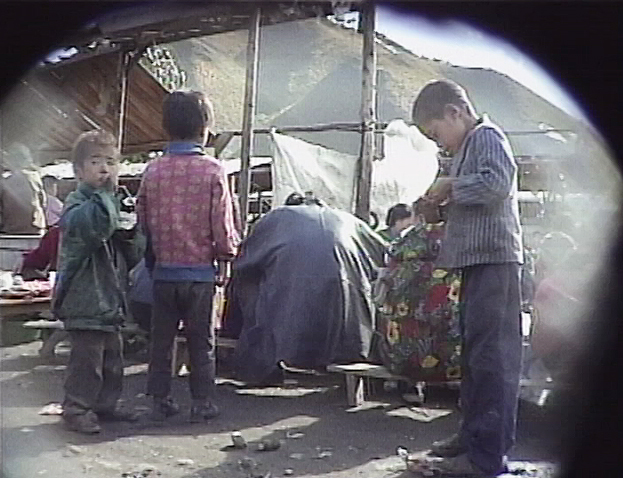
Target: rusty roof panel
{"points": [[52, 106]]}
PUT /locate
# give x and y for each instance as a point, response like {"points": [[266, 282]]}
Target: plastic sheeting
{"points": [[299, 166], [407, 169]]}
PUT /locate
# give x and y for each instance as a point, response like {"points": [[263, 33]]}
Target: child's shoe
{"points": [[164, 408], [118, 415], [203, 410], [85, 423]]}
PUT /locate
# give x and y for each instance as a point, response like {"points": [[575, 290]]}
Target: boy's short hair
{"points": [[84, 145], [431, 102], [396, 213], [185, 114]]}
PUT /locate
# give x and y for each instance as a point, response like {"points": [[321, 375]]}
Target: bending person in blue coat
{"points": [[303, 290]]}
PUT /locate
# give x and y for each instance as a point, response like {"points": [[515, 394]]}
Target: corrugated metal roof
{"points": [[173, 21], [52, 106]]}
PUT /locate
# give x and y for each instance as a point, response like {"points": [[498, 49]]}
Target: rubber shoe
{"points": [[202, 412], [85, 424], [164, 408], [118, 415], [448, 448]]}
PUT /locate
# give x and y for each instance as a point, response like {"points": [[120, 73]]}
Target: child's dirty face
{"points": [[449, 131], [100, 168]]}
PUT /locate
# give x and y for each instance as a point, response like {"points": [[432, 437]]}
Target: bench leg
{"points": [[354, 390], [174, 358]]}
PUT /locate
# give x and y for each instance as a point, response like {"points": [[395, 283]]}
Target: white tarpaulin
{"points": [[407, 170], [299, 166]]}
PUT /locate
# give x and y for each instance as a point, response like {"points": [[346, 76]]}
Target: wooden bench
{"points": [[15, 308], [51, 325], [355, 374], [53, 332], [44, 324]]}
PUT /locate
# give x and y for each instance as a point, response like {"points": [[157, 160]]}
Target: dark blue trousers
{"points": [[491, 361]]}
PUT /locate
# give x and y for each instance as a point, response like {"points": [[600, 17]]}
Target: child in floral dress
{"points": [[418, 318]]}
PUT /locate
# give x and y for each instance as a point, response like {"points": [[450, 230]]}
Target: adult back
{"points": [[304, 290], [22, 199]]}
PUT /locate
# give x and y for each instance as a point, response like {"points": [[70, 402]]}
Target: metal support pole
{"points": [[368, 113], [250, 96]]}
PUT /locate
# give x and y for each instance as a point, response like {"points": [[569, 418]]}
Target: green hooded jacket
{"points": [[94, 260]]}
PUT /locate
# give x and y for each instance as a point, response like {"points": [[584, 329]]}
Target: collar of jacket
{"points": [[459, 157], [87, 190], [184, 147], [482, 121]]}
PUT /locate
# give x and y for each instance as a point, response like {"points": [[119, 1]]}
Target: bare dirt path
{"points": [[319, 435]]}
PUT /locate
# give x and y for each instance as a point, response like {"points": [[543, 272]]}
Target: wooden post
{"points": [[232, 184], [368, 113], [250, 95], [122, 88]]}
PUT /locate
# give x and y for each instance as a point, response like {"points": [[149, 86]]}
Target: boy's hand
{"points": [[110, 184], [440, 190], [430, 210]]}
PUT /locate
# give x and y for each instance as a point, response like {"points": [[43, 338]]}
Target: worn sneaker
{"points": [[85, 423], [203, 411], [448, 448], [164, 408], [118, 415]]}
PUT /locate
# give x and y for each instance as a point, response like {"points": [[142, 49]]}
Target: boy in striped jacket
{"points": [[483, 241]]}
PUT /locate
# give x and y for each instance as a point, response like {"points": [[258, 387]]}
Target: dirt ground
{"points": [[319, 434]]}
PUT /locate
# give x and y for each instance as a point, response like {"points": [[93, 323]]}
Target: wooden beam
{"points": [[221, 142], [368, 113], [250, 95], [352, 127], [356, 127], [128, 60], [121, 97]]}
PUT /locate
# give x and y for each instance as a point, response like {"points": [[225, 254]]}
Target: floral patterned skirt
{"points": [[418, 323]]}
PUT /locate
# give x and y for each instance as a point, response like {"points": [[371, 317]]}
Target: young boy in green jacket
{"points": [[95, 256]]}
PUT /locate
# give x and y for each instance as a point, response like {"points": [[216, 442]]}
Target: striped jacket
{"points": [[483, 213]]}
